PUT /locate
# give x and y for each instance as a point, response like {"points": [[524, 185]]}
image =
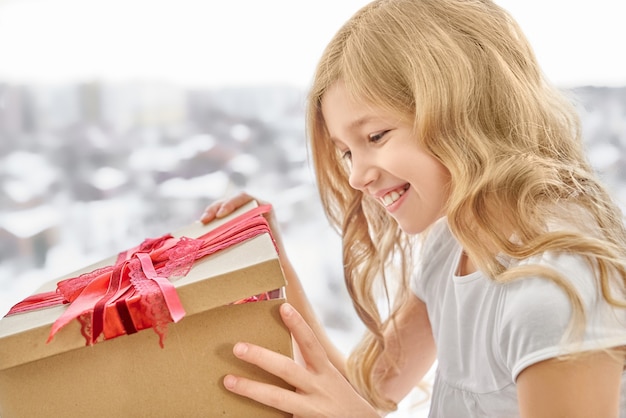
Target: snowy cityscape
{"points": [[88, 170]]}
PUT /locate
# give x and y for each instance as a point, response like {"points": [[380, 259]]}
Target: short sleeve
{"points": [[536, 313]]}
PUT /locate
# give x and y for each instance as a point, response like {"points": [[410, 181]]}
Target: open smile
{"points": [[393, 196]]}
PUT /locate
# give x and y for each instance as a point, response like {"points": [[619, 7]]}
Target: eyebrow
{"points": [[360, 122]]}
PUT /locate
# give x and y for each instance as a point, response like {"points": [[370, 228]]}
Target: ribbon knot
{"points": [[137, 291]]}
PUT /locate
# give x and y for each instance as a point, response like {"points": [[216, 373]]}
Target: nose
{"points": [[362, 173]]}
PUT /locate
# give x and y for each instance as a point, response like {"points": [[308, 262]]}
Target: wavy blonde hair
{"points": [[462, 72]]}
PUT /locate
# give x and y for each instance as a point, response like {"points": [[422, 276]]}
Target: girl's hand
{"points": [[321, 390], [225, 207]]}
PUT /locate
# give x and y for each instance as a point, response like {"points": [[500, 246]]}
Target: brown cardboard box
{"points": [[131, 375]]}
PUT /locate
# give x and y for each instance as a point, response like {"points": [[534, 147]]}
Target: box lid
{"points": [[245, 269]]}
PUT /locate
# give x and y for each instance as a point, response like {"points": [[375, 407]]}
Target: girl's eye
{"points": [[377, 136]]}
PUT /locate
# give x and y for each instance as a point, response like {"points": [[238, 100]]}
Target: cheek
{"points": [[431, 170], [443, 176], [434, 178], [441, 180]]}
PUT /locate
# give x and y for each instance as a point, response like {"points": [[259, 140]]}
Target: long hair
{"points": [[462, 72]]}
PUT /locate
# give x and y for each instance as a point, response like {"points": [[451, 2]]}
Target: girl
{"points": [[431, 119]]}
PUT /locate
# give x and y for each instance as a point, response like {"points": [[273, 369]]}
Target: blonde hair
{"points": [[463, 74]]}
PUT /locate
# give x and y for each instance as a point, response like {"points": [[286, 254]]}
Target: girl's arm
{"points": [[294, 289], [587, 385], [321, 386], [298, 299], [411, 342]]}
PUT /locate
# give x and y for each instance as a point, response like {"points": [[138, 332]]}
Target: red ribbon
{"points": [[137, 291]]}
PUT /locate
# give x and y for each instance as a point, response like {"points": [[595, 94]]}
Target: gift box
{"points": [[118, 366]]}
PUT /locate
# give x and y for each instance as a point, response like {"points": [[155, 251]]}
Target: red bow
{"points": [[137, 291]]}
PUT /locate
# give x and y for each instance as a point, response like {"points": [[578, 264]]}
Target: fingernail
{"points": [[287, 309], [230, 381], [240, 349]]}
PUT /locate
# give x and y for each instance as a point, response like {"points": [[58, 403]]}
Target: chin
{"points": [[411, 229], [415, 228]]}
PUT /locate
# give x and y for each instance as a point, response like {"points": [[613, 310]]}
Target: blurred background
{"points": [[124, 119]]}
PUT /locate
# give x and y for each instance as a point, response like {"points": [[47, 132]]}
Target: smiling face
{"points": [[386, 161]]}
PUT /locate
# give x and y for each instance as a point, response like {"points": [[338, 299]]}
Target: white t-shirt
{"points": [[486, 333]]}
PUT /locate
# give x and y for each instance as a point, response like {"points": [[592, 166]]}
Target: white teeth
{"points": [[390, 198]]}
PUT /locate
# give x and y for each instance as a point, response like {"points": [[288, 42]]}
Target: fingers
{"points": [[272, 362], [227, 207], [320, 389], [282, 366], [224, 207], [279, 398], [209, 213], [312, 351]]}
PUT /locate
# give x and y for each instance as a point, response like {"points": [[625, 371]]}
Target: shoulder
{"points": [[536, 312], [533, 308], [545, 294]]}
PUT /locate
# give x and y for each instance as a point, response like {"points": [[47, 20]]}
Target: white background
{"points": [[239, 42]]}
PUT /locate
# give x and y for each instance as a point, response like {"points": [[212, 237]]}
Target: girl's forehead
{"points": [[338, 97], [342, 109]]}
